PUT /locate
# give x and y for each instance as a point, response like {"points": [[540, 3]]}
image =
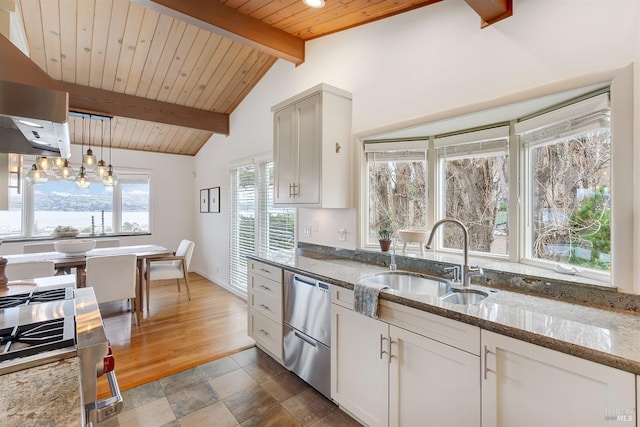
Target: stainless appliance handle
{"points": [[305, 339], [106, 408], [305, 281]]}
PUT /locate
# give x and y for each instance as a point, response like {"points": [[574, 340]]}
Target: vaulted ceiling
{"points": [[171, 71]]}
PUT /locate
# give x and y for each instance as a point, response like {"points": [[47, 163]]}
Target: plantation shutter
{"points": [[276, 225], [242, 202]]}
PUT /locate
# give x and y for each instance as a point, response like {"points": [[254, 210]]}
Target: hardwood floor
{"points": [[175, 334]]}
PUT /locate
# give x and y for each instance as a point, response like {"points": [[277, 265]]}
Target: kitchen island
{"points": [[46, 395]]}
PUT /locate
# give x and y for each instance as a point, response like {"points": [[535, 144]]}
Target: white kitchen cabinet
{"points": [[528, 385], [431, 383], [265, 306], [386, 375], [359, 365], [312, 149]]}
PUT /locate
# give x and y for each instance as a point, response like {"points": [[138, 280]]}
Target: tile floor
{"points": [[245, 389]]}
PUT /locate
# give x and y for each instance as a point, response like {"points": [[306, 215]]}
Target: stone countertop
{"points": [[46, 395], [607, 337]]}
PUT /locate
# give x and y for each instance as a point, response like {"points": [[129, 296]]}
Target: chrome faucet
{"points": [[392, 265], [467, 271]]}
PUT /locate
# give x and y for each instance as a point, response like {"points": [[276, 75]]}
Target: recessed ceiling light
{"points": [[28, 123], [314, 3]]}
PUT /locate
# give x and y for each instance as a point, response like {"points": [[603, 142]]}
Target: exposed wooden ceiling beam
{"points": [[217, 18], [100, 101], [491, 11]]}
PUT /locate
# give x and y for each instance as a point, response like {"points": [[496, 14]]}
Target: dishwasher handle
{"points": [[305, 280]]}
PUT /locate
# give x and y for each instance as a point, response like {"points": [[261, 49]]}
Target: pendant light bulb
{"points": [[89, 159], [110, 178], [81, 180], [36, 176], [66, 171]]}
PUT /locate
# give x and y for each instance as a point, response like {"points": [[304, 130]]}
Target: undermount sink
{"points": [[464, 296], [415, 284], [412, 283]]}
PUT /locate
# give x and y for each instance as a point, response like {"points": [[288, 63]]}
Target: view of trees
{"points": [[572, 208], [476, 191], [398, 195]]}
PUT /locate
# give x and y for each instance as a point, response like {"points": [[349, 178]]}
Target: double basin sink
{"points": [[414, 284]]}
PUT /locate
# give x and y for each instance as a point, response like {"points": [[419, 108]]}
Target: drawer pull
{"points": [[265, 307], [264, 270], [263, 332], [266, 288]]}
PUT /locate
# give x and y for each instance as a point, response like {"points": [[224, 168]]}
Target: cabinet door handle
{"points": [[485, 368], [294, 189], [265, 307], [382, 338], [263, 332], [391, 355]]}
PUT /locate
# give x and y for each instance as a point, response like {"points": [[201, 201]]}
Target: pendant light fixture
{"points": [[43, 163], [36, 176], [101, 166], [81, 180], [66, 171], [110, 178], [89, 159]]}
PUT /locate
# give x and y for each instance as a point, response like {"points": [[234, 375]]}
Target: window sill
{"points": [[80, 236]]}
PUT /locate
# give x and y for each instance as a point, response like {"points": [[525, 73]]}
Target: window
{"points": [[11, 189], [134, 203], [474, 188], [397, 187], [36, 210], [255, 224], [535, 189], [569, 204]]}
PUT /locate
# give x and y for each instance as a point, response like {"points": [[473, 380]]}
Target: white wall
{"points": [[414, 65], [173, 200]]}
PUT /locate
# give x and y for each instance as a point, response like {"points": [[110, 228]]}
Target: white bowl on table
{"points": [[71, 248]]}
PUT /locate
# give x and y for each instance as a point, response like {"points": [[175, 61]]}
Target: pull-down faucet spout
{"points": [[467, 271]]}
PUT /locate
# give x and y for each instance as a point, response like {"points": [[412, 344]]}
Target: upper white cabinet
{"points": [[312, 149], [527, 385]]}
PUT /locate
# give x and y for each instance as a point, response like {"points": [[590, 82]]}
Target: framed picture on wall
{"points": [[204, 200], [214, 200]]}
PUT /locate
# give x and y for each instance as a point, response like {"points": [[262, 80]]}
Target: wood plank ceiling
{"points": [[170, 80]]}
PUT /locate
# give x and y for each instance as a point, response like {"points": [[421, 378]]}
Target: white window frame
{"points": [[132, 176], [625, 274]]}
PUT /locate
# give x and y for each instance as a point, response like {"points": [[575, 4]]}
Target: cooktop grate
{"points": [[35, 297], [27, 340]]}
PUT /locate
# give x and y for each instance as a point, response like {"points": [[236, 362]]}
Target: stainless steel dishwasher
{"points": [[307, 330]]}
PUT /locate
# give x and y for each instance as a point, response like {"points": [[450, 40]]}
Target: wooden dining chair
{"points": [[168, 267], [29, 270], [114, 278]]}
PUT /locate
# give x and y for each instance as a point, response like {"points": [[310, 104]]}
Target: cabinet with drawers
{"points": [[265, 306]]}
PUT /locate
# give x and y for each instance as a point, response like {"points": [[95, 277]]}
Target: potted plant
{"points": [[384, 239], [65, 231]]}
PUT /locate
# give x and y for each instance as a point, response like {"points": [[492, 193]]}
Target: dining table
{"points": [[64, 263]]}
